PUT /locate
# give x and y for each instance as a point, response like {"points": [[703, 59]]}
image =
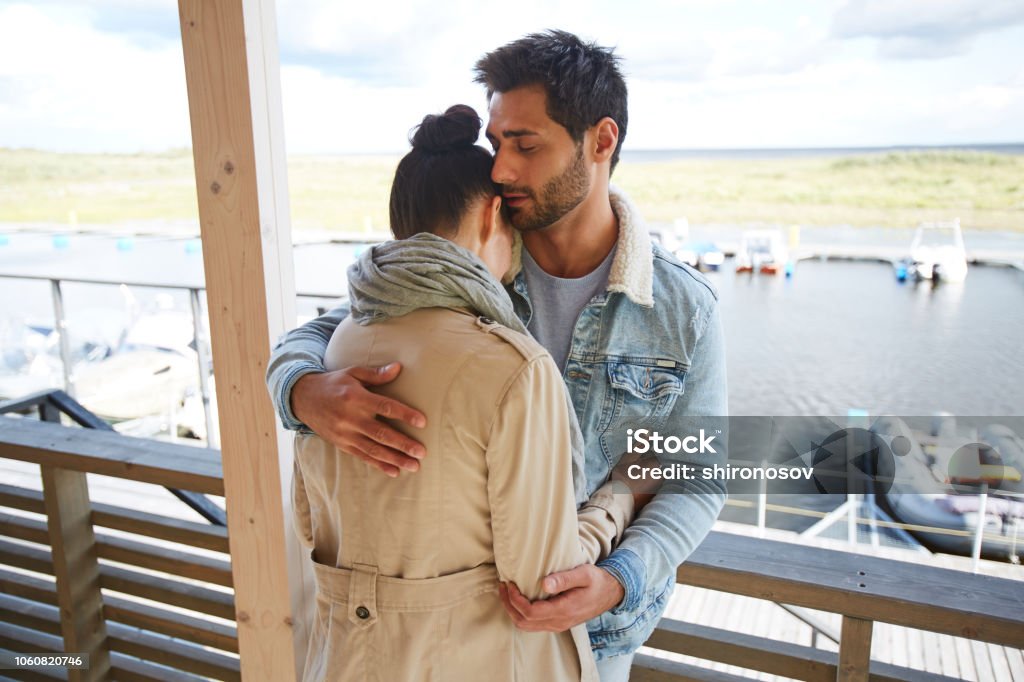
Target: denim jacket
{"points": [[646, 353]]}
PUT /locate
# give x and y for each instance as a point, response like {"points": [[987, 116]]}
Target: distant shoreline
{"points": [[982, 185], [655, 155], [628, 153]]}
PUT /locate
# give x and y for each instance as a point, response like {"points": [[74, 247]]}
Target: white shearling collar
{"points": [[632, 270]]}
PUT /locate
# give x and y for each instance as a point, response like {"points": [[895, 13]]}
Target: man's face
{"points": [[540, 168]]}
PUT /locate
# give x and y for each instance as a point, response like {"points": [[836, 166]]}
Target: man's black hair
{"points": [[582, 80]]}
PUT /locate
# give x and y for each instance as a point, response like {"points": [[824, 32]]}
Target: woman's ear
{"points": [[492, 218]]}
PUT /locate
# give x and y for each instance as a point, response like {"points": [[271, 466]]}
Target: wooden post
{"points": [[234, 102], [75, 566], [854, 650]]}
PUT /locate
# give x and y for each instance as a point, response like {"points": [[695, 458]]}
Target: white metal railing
{"points": [[197, 315]]}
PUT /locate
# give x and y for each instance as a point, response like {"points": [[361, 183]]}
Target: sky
{"points": [[108, 75]]}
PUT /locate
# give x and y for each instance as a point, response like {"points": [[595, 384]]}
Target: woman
{"points": [[407, 569]]}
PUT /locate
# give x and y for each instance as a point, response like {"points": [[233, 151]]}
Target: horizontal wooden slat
{"points": [[743, 651], [127, 551], [170, 623], [24, 528], [202, 535], [29, 614], [768, 655], [154, 588], [182, 531], [131, 613], [936, 599], [112, 454], [34, 675], [180, 655], [180, 594], [131, 669], [16, 638], [38, 618], [164, 559], [28, 587], [652, 669], [24, 499], [26, 557]]}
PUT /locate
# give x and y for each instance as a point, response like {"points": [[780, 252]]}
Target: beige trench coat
{"points": [[407, 568]]}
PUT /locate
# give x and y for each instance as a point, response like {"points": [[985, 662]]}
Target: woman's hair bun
{"points": [[456, 128]]}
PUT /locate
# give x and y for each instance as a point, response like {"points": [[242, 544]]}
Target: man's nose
{"points": [[502, 172]]}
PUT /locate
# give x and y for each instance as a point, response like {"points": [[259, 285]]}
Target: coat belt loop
{"points": [[362, 595]]}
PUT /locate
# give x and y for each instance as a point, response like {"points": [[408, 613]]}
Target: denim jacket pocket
{"points": [[638, 392]]}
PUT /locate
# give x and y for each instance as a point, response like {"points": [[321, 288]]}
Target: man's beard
{"points": [[559, 196]]}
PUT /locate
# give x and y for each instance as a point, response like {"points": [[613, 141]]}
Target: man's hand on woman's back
{"points": [[338, 407]]}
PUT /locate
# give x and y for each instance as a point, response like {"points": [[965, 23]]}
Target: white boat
{"points": [[762, 251], [937, 253], [703, 256], [671, 236], [149, 369], [938, 487]]}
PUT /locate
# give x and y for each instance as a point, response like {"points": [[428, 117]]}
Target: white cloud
{"points": [[924, 29], [329, 114], [68, 86], [755, 50], [110, 76]]}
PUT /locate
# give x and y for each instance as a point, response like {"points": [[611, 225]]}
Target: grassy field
{"points": [[986, 191]]}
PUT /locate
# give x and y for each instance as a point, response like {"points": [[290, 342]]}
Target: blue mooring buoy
{"points": [[125, 244], [4, 240], [901, 273], [61, 241], [193, 246]]}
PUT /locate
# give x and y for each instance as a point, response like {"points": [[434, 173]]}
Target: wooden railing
{"points": [[84, 579], [863, 589], [54, 405], [142, 611]]}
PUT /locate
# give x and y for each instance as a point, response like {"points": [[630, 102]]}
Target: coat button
{"points": [[363, 612], [486, 320]]}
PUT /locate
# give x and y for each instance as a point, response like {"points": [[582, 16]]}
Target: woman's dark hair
{"points": [[445, 172], [582, 80]]}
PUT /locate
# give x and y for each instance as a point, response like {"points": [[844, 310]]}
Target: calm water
{"points": [[842, 335], [838, 335]]}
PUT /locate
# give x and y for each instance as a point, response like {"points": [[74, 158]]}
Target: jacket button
{"points": [[486, 320], [363, 612]]}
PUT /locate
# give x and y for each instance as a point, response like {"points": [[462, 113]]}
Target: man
{"points": [[637, 335]]}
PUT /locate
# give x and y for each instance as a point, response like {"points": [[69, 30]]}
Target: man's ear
{"points": [[606, 138]]}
